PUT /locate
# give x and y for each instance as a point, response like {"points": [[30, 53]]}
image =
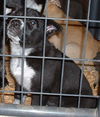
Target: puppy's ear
{"points": [[52, 28]]}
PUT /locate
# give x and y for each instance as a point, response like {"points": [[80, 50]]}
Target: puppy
{"points": [[52, 68], [76, 9], [75, 37], [14, 5]]}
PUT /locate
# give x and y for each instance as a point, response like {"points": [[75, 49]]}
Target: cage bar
{"points": [[98, 108], [84, 51], [36, 111]]}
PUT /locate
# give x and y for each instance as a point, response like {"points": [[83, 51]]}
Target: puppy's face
{"points": [[34, 28], [15, 30]]}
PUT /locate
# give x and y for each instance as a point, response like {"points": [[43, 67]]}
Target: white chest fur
{"points": [[16, 67]]}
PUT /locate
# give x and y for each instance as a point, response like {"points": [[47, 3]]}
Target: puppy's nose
{"points": [[16, 23]]}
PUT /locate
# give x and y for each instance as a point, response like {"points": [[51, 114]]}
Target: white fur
{"points": [[32, 4], [8, 10], [16, 64], [14, 39]]}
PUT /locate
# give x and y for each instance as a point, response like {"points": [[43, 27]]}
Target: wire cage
{"points": [[7, 94]]}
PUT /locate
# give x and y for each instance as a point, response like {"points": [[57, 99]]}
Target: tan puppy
{"points": [[75, 37]]}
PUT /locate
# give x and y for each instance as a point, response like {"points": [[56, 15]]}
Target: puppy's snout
{"points": [[16, 23], [15, 27]]}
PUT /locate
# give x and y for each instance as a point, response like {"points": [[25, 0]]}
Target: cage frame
{"points": [[39, 111]]}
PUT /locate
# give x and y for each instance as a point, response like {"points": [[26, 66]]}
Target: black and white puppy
{"points": [[14, 5], [52, 68]]}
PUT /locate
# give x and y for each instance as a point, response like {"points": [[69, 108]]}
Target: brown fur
{"points": [[75, 37]]}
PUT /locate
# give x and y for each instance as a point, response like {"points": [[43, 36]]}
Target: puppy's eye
{"points": [[33, 22]]}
